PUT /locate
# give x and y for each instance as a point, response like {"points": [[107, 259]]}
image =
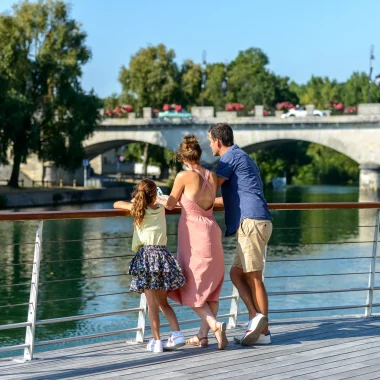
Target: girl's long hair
{"points": [[144, 194]]}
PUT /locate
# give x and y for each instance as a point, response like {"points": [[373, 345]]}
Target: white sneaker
{"points": [[263, 339], [238, 338], [176, 340], [255, 326], [154, 346]]}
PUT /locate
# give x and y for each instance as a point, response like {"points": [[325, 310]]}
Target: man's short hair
{"points": [[222, 132]]}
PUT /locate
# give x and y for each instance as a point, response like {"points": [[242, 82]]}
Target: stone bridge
{"points": [[357, 137]]}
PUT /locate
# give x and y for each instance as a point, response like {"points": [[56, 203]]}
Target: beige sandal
{"points": [[222, 330], [197, 341]]}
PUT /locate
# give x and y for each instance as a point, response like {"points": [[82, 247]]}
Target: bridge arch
{"points": [[253, 141], [356, 140], [96, 149], [252, 148]]}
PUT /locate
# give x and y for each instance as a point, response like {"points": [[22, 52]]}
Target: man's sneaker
{"points": [[255, 326], [176, 340], [264, 339], [155, 346], [238, 338]]}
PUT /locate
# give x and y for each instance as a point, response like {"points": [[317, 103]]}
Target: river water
{"points": [[78, 276]]}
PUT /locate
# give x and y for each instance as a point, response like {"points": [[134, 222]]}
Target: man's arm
{"points": [[219, 200], [221, 180]]}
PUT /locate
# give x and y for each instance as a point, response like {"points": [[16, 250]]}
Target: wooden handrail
{"points": [[88, 214]]}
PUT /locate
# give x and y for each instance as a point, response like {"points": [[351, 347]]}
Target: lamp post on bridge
{"points": [[371, 58], [85, 166], [225, 79], [204, 75]]}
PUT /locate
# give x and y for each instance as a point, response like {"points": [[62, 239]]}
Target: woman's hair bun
{"points": [[190, 139], [189, 149]]}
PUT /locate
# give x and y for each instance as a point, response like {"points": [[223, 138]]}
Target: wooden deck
{"points": [[319, 348]]}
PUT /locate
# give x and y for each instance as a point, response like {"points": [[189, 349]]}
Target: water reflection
{"points": [[81, 284]]}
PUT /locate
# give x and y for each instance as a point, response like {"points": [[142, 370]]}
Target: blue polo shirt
{"points": [[242, 192]]}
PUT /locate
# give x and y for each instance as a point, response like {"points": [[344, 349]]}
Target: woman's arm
{"points": [[123, 205], [218, 202], [178, 186]]}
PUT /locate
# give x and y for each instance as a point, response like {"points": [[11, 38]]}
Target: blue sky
{"points": [[302, 38]]}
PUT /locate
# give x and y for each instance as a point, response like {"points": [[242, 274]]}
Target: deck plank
{"points": [[307, 348]]}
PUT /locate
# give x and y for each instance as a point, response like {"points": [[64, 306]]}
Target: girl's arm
{"points": [[178, 186], [123, 205]]}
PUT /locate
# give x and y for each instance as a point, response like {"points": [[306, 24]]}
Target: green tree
{"points": [[110, 102], [328, 166], [152, 77], [191, 80], [283, 91], [306, 163], [318, 91], [249, 81], [213, 92], [355, 90], [45, 111], [150, 154], [286, 157], [298, 89]]}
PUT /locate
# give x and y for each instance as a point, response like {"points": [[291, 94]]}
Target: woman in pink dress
{"points": [[200, 251]]}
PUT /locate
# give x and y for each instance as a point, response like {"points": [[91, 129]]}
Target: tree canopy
{"points": [[44, 109], [153, 78]]}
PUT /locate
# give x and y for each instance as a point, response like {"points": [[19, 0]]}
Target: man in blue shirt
{"points": [[247, 216]]}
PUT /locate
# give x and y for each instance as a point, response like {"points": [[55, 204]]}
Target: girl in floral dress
{"points": [[154, 270]]}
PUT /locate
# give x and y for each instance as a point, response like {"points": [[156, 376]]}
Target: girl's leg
{"points": [[167, 310], [152, 300]]}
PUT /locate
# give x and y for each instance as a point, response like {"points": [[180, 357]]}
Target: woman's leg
{"points": [[205, 328], [167, 310], [206, 314], [152, 299]]}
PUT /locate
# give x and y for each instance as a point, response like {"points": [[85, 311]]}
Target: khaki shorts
{"points": [[252, 237]]}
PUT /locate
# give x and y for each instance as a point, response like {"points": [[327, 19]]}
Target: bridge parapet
{"points": [[367, 113]]}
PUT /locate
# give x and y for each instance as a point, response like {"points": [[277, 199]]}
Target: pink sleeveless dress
{"points": [[200, 252]]}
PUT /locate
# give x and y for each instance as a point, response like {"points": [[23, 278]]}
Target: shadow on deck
{"points": [[309, 348]]}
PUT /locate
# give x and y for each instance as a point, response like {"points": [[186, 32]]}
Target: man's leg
{"points": [[239, 280], [252, 237], [259, 294]]}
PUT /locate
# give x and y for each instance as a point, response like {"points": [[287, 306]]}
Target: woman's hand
{"points": [[177, 190]]}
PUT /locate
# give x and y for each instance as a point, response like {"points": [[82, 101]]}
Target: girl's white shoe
{"points": [[154, 346], [176, 340]]}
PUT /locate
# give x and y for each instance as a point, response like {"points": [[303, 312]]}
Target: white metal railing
{"points": [[141, 311]]}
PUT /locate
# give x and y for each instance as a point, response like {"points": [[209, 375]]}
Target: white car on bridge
{"points": [[300, 112]]}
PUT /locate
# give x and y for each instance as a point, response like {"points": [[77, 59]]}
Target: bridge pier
{"points": [[369, 177]]}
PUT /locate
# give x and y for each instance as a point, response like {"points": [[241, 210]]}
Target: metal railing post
{"points": [[234, 309], [33, 298], [141, 322], [372, 274], [265, 262]]}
